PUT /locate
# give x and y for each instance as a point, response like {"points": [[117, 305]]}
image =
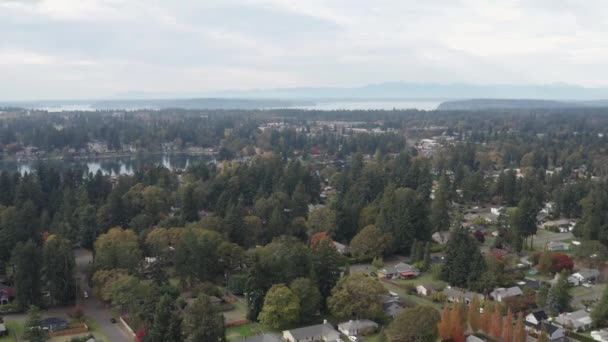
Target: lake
{"points": [[113, 165]]}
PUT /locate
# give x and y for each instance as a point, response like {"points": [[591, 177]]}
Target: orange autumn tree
{"points": [[496, 327], [443, 327], [486, 318], [474, 316], [457, 331], [507, 326], [519, 333]]}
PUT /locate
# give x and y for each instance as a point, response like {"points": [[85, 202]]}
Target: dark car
{"points": [[113, 320]]}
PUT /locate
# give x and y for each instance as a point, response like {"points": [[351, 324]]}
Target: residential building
{"points": [[341, 248], [267, 337], [558, 246], [391, 306], [321, 332], [502, 293], [3, 330], [358, 327], [455, 295], [600, 335], [585, 275], [6, 294], [401, 270], [441, 237], [425, 290], [577, 320], [536, 317]]}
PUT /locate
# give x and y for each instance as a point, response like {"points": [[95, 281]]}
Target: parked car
{"points": [[86, 294], [113, 320], [353, 338]]}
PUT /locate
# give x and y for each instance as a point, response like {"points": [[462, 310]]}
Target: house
{"points": [[425, 290], [391, 306], [341, 248], [473, 338], [502, 293], [457, 296], [577, 320], [558, 246], [6, 294], [600, 335], [54, 324], [3, 330], [406, 271], [555, 333], [267, 337], [531, 284], [441, 237], [585, 275], [496, 210], [358, 327], [536, 317], [321, 332]]}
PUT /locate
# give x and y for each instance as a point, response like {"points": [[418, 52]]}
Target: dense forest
{"points": [[261, 219]]}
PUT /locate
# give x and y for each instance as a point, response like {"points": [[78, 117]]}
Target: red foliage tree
{"points": [[456, 331], [486, 318], [318, 237], [443, 327], [507, 327], [519, 333], [560, 262], [140, 334], [496, 323]]}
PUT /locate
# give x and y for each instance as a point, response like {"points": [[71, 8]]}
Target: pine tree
{"points": [[558, 298], [426, 260], [444, 327], [414, 252]]}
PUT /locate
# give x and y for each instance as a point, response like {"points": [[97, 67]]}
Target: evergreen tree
{"points": [[33, 331], [166, 325], [58, 264], [203, 323], [464, 263], [27, 260], [440, 207], [558, 298], [189, 206]]}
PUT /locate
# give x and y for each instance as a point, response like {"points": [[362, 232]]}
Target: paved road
{"points": [[95, 308]]}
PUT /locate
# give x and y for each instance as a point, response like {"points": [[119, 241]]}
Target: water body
{"points": [[111, 166]]}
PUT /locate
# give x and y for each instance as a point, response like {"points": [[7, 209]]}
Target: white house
{"points": [[577, 320], [425, 290], [502, 293], [536, 317], [586, 275], [496, 210], [558, 246], [358, 327]]}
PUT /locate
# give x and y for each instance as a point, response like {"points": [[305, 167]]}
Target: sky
{"points": [[71, 49]]}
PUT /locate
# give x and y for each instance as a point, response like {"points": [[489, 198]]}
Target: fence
{"points": [[73, 329]]}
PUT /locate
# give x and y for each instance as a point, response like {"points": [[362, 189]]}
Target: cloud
{"points": [[96, 48]]}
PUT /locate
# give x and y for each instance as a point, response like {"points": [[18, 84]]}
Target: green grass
{"points": [[422, 279], [14, 328], [373, 338], [95, 330], [418, 300], [233, 333]]}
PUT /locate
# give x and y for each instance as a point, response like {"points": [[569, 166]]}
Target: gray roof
{"points": [[456, 293], [268, 337], [313, 331], [505, 293], [357, 324], [589, 273]]}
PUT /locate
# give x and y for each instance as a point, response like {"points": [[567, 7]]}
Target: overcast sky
{"points": [[98, 48]]}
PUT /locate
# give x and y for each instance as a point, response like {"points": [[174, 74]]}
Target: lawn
{"points": [[373, 338], [239, 312], [423, 279], [413, 299], [14, 328], [251, 329]]}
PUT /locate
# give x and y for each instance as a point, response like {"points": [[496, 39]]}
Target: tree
{"points": [[371, 242], [33, 331], [118, 248], [474, 317], [599, 314], [507, 326], [541, 295], [166, 326], [414, 324], [519, 332], [496, 327], [457, 330], [58, 265], [326, 264], [202, 322], [281, 307], [357, 296], [558, 298], [444, 327], [308, 294], [27, 263], [440, 207], [189, 205], [543, 336], [464, 263], [486, 318]]}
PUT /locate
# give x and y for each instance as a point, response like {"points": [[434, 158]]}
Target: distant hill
{"points": [[497, 104]]}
